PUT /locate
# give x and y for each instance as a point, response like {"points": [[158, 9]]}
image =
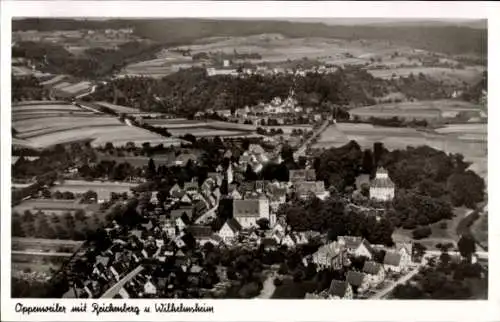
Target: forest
{"points": [[448, 39]]}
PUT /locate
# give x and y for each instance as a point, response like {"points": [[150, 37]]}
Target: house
{"points": [[382, 188], [200, 233], [230, 230], [268, 243], [329, 256], [302, 175], [248, 211], [191, 187], [405, 249], [183, 158], [304, 188], [276, 198], [149, 288], [374, 272], [340, 290], [356, 246], [256, 149], [393, 262], [358, 281], [176, 189], [362, 179], [293, 239], [181, 222]]}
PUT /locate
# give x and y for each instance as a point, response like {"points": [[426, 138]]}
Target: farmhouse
{"points": [[393, 262], [340, 290], [329, 256], [374, 272], [356, 246], [358, 281], [382, 188]]}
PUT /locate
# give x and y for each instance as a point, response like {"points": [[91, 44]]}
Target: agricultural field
{"points": [[429, 110], [287, 129], [46, 124], [474, 150], [469, 75], [51, 206], [277, 49], [102, 188], [180, 127]]}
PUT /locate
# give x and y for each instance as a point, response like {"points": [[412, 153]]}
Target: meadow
{"points": [[429, 110], [470, 74], [43, 125], [448, 139], [102, 188], [50, 206]]}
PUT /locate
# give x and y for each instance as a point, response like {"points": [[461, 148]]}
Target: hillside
{"points": [[448, 39]]}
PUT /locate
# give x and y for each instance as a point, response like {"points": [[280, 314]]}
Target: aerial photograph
{"points": [[210, 158]]}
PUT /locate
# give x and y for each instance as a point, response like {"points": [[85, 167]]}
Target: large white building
{"points": [[382, 188]]}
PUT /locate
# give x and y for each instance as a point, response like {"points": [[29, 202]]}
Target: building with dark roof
{"points": [[304, 188], [358, 281], [302, 175], [382, 188], [248, 211], [393, 262], [340, 289]]}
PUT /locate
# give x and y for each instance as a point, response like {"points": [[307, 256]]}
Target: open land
{"points": [[52, 206], [277, 50], [474, 150], [102, 188], [430, 110], [64, 123]]}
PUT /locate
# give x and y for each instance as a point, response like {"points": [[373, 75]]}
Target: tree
{"points": [[422, 232], [263, 223], [466, 188], [80, 215], [151, 171], [367, 163], [466, 246]]}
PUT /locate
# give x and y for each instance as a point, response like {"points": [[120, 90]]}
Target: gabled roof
{"points": [[246, 208], [199, 231], [104, 260], [371, 267], [338, 288], [382, 183], [351, 242], [330, 250], [355, 278], [392, 258], [191, 186], [304, 187], [176, 213], [303, 175], [234, 225]]}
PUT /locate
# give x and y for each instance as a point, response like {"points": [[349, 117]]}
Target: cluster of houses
{"points": [[337, 254], [228, 68]]}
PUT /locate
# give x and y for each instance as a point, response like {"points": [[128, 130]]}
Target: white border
{"points": [[261, 310]]}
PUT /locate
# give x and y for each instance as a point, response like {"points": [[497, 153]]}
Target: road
{"points": [[113, 290], [268, 287], [301, 151], [384, 292], [40, 253], [401, 280]]}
